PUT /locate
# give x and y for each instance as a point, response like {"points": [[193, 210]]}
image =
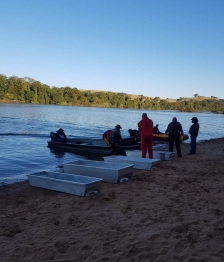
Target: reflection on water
{"points": [[60, 154], [57, 152]]}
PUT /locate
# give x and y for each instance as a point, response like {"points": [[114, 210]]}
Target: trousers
{"points": [[193, 144], [146, 145], [175, 138]]}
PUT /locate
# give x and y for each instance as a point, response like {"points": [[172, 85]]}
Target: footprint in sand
{"points": [[45, 254], [179, 247], [178, 228], [62, 246], [156, 237], [86, 247], [91, 259]]}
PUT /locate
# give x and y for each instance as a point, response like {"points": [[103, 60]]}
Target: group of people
{"points": [[175, 132], [145, 135], [136, 134]]}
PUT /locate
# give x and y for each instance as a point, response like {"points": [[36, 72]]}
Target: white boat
{"points": [[66, 183], [139, 163], [109, 172], [162, 155]]}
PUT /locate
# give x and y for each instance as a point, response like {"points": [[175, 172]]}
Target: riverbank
{"points": [[174, 213]]}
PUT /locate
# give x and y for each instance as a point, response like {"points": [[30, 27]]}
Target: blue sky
{"points": [[156, 48]]}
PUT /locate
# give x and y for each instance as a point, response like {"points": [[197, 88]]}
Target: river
{"points": [[25, 130]]}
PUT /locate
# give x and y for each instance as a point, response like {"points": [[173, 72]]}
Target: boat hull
{"points": [[66, 183], [137, 162], [162, 155], [109, 172], [94, 146]]}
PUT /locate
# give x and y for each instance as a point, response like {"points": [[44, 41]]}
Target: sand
{"points": [[175, 213]]}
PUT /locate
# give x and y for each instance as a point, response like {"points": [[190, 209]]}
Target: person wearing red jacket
{"points": [[145, 127], [106, 137]]}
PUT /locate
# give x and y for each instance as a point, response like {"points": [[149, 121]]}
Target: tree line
{"points": [[28, 90]]}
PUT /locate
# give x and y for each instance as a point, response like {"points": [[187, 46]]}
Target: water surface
{"points": [[25, 129]]}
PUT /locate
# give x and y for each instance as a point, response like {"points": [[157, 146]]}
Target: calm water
{"points": [[25, 131]]}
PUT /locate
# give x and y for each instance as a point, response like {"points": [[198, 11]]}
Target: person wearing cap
{"points": [[145, 127], [115, 140], [175, 132], [194, 129], [60, 136]]}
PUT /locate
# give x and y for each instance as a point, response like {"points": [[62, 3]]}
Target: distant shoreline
{"points": [[21, 102]]}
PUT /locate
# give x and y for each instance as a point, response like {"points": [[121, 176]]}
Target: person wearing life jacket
{"points": [[106, 137], [156, 130], [146, 130]]}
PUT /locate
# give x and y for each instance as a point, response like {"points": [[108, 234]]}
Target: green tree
{"points": [[3, 86]]}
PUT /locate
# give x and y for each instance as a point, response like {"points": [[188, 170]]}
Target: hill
{"points": [[197, 98]]}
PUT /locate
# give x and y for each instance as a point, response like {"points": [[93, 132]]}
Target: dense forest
{"points": [[28, 90]]}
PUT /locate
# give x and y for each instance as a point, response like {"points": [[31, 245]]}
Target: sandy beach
{"points": [[175, 213]]}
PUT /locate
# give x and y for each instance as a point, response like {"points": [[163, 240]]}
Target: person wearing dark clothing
{"points": [[146, 130], [175, 130], [115, 140], [135, 134], [194, 129], [60, 136]]}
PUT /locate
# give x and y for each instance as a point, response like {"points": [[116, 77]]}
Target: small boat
{"points": [[108, 171], [165, 138], [137, 162], [92, 145], [66, 183], [162, 155]]}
